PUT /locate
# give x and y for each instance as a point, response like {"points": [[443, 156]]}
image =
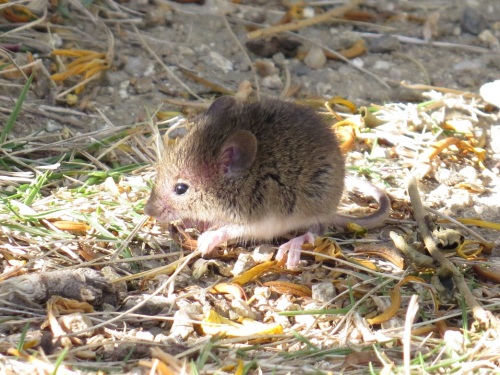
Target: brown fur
{"points": [[297, 176]]}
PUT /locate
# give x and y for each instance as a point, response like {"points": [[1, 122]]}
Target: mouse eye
{"points": [[181, 188]]}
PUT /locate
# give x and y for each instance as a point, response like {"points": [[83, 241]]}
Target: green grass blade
{"points": [[15, 112]]}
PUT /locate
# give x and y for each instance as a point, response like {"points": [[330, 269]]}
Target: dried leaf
{"points": [[160, 367], [436, 148], [86, 63], [365, 263], [169, 364], [253, 273], [233, 289], [395, 301], [360, 358], [391, 310], [424, 331], [369, 119], [480, 223], [284, 287], [338, 100], [73, 226], [17, 13], [485, 273], [383, 251], [240, 370], [464, 249], [68, 306], [357, 229], [215, 324], [346, 131], [357, 49], [325, 246]]}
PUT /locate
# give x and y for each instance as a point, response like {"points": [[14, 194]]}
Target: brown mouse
{"points": [[256, 171]]}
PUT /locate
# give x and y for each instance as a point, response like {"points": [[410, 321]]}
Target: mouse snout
{"points": [[153, 206]]}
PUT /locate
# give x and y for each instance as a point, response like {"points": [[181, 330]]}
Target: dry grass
{"points": [[72, 204]]}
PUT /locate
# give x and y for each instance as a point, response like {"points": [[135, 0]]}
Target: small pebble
{"points": [[469, 173], [472, 21], [382, 65], [137, 66], [495, 138], [273, 82], [114, 78], [323, 292], [315, 58], [265, 68], [279, 58], [263, 253], [142, 85], [123, 89], [245, 262], [52, 126], [221, 62], [182, 326], [384, 44], [490, 40]]}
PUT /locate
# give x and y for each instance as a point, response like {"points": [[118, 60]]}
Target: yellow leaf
{"points": [[240, 368], [86, 63], [253, 273], [325, 246], [395, 301], [215, 324], [68, 306], [289, 288], [480, 223], [224, 288], [470, 254], [71, 225], [343, 102], [365, 263]]}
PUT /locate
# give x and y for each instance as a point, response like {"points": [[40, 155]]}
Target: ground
{"points": [[84, 163]]}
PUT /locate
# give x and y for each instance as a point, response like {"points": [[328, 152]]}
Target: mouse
{"points": [[257, 171]]}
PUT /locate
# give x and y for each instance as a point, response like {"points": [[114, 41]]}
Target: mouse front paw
{"points": [[293, 248], [208, 240]]}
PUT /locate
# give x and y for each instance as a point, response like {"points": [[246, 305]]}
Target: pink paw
{"points": [[293, 248], [210, 239]]}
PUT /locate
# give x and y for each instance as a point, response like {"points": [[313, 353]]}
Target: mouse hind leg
{"points": [[293, 248]]}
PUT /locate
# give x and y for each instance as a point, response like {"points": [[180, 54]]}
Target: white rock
{"points": [[315, 58], [221, 62], [52, 126], [382, 65], [490, 92], [272, 82], [489, 39]]}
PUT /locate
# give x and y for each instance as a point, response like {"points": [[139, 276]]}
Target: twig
{"points": [[28, 25], [245, 54], [483, 318], [427, 79], [407, 39], [292, 26], [418, 86]]}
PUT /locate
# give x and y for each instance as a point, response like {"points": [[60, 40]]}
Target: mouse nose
{"points": [[152, 207]]}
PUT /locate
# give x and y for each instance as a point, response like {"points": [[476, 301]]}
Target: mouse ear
{"points": [[221, 105], [238, 152]]}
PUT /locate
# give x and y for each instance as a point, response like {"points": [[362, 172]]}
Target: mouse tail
{"points": [[373, 220]]}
